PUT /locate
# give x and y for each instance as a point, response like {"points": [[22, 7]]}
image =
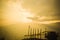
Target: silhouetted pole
{"points": [[40, 33], [35, 33], [29, 30]]}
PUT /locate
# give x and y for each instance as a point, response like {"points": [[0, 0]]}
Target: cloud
{"points": [[42, 8]]}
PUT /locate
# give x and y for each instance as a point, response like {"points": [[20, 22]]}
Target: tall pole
{"points": [[35, 33], [40, 33], [29, 30]]}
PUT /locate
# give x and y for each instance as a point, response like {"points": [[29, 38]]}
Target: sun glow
{"points": [[14, 13], [24, 16]]}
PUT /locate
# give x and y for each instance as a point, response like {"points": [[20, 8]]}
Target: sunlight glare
{"points": [[18, 13]]}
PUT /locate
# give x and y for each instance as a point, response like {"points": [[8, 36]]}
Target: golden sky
{"points": [[17, 15], [14, 11]]}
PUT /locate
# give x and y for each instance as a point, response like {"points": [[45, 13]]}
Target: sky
{"points": [[17, 15]]}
